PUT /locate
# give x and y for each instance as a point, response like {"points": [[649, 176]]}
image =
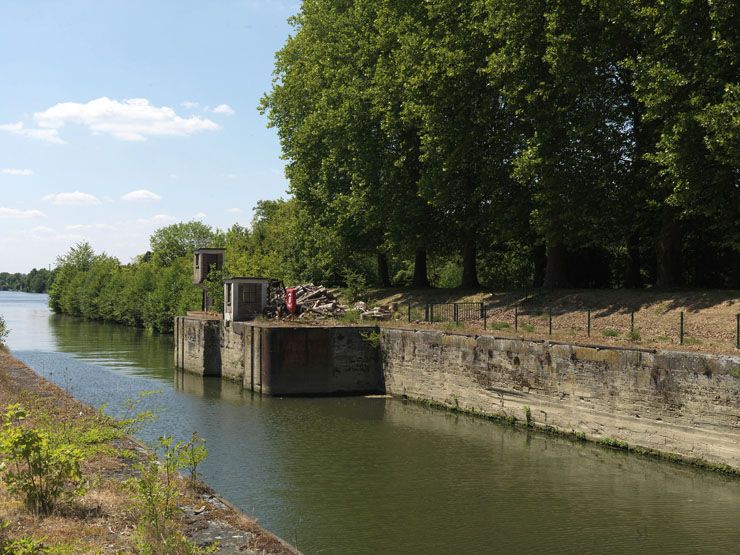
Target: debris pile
{"points": [[316, 302]]}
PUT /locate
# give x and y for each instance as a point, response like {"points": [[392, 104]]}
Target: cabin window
{"points": [[250, 293], [197, 261], [228, 293]]}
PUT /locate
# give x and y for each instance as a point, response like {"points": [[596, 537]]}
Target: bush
{"points": [[36, 469], [157, 493], [609, 332], [356, 289], [4, 331]]}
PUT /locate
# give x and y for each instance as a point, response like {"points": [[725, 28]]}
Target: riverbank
{"points": [[106, 518]]}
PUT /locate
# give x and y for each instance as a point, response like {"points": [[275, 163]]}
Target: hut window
{"points": [[249, 293]]}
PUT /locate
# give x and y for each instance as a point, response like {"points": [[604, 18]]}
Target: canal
{"points": [[355, 475]]}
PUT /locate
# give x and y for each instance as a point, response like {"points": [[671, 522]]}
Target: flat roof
{"points": [[243, 278]]}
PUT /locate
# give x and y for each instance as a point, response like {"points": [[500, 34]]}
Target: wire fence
{"points": [[644, 325]]}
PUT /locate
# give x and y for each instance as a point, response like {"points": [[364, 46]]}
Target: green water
{"points": [[354, 475]]}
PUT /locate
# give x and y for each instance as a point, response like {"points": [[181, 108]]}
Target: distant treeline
{"points": [[35, 281], [514, 142]]}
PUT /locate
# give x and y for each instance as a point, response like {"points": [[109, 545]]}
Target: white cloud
{"points": [[158, 219], [14, 171], [18, 128], [133, 119], [222, 109], [90, 227], [200, 216], [17, 214], [189, 104], [74, 198], [42, 229], [234, 210], [141, 195]]}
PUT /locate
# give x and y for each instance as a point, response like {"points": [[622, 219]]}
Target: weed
{"points": [[528, 415], [615, 443], [36, 468], [663, 339], [691, 340], [356, 289], [350, 317], [4, 331], [133, 420], [735, 372], [633, 335], [372, 337], [21, 546], [529, 328], [500, 326], [609, 332], [193, 453], [157, 493]]}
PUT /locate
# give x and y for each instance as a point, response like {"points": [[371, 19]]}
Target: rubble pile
{"points": [[319, 303]]}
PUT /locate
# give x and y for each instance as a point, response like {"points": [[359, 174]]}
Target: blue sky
{"points": [[118, 117]]}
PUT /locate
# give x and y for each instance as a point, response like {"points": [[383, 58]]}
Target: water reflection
{"points": [[355, 475]]}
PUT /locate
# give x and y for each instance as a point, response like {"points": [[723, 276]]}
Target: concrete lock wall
{"points": [[677, 403], [279, 360], [687, 404]]}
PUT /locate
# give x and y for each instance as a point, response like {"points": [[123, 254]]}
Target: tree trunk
{"points": [[384, 279], [670, 270], [539, 255], [556, 275], [421, 280], [632, 278], [470, 269]]}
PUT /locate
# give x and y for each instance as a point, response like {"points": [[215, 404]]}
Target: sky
{"points": [[119, 117]]}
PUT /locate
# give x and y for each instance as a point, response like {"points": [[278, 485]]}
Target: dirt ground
{"points": [[104, 519], [709, 316]]}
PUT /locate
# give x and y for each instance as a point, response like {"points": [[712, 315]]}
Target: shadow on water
{"points": [[366, 476]]}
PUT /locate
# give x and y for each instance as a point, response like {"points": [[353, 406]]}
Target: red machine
{"points": [[290, 302]]}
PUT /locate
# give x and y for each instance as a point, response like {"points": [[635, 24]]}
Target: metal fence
{"points": [[634, 326]]}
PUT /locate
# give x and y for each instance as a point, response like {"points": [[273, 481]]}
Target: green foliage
{"points": [[633, 335], [35, 281], [356, 286], [609, 332], [180, 240], [528, 416], [34, 467], [4, 331], [500, 325], [529, 328], [157, 493], [192, 454], [372, 337], [20, 546]]}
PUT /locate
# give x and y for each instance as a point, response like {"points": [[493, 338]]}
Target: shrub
{"points": [[36, 469], [609, 332], [21, 546], [500, 326], [527, 327], [157, 492], [633, 335], [4, 331], [356, 289]]}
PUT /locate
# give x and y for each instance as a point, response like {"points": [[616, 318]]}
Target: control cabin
{"points": [[244, 298], [205, 260]]}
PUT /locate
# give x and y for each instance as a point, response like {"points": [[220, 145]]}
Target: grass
{"points": [[529, 328], [633, 335], [691, 340], [609, 332], [500, 326]]}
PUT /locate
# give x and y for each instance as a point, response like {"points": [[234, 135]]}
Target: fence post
{"points": [[409, 312], [588, 325], [632, 322], [737, 331], [680, 330], [516, 317], [549, 319], [455, 311], [482, 315], [426, 313], [485, 317]]}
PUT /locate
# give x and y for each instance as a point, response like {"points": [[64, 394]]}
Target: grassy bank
{"points": [[119, 500], [709, 315]]}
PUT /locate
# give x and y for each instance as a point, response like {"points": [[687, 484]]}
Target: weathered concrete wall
{"points": [[280, 360], [687, 404]]}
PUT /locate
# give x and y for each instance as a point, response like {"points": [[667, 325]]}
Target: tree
{"points": [[174, 241]]}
